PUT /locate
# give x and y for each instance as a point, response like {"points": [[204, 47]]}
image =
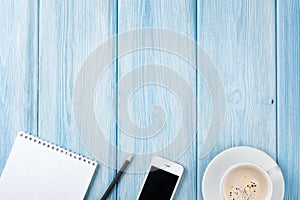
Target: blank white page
{"points": [[36, 169]]}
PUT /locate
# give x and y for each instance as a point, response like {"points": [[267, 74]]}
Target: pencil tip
{"points": [[130, 157]]}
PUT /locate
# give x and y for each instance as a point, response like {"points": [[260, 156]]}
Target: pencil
{"points": [[118, 176]]}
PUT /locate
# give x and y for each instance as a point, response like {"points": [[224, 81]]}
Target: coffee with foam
{"points": [[246, 183]]}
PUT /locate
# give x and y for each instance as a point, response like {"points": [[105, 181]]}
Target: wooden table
{"points": [[255, 46]]}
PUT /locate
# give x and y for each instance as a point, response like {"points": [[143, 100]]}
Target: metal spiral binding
{"points": [[55, 148]]}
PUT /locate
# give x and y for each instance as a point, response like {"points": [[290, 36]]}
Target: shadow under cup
{"points": [[246, 181]]}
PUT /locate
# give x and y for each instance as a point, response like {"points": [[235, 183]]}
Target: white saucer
{"points": [[218, 166]]}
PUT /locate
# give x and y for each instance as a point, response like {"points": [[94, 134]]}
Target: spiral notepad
{"points": [[37, 169]]}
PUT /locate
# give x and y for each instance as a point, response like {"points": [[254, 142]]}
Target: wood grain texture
{"points": [[288, 94], [240, 38], [69, 32], [44, 43], [18, 72], [178, 16]]}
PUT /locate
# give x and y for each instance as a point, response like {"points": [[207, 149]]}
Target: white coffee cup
{"points": [[246, 181]]}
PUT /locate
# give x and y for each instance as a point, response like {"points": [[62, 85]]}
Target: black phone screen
{"points": [[159, 185]]}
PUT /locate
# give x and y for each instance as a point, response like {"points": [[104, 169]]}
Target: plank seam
{"points": [[276, 79], [117, 89], [197, 99], [38, 69]]}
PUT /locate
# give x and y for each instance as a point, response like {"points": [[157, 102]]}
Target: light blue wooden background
{"points": [[255, 45]]}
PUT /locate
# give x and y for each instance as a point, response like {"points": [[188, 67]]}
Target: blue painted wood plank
{"points": [[69, 32], [288, 94], [179, 16], [18, 72], [240, 39]]}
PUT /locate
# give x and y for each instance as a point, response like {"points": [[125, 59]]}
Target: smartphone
{"points": [[161, 180]]}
